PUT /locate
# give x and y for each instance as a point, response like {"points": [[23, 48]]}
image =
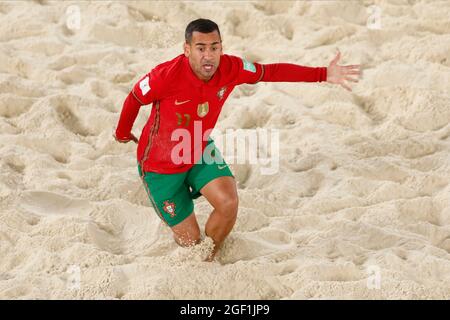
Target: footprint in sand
{"points": [[251, 245], [120, 227], [333, 272], [12, 106], [45, 203], [69, 119]]}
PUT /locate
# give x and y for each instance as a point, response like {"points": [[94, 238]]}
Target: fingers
{"points": [[345, 72], [134, 138], [352, 69], [346, 86], [337, 57], [351, 79], [343, 84]]}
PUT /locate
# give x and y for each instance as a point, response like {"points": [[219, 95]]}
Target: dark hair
{"points": [[200, 25]]}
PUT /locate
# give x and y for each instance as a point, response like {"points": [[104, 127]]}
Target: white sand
{"points": [[364, 176]]}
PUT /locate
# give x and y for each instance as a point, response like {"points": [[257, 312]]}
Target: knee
{"points": [[228, 207]]}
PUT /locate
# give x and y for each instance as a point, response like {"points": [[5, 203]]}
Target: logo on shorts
{"points": [[169, 207]]}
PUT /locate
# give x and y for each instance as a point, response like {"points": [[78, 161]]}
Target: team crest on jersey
{"points": [[221, 92], [203, 109], [169, 208]]}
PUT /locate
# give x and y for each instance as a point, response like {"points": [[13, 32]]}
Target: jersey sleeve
{"points": [[148, 88], [145, 91], [246, 71]]}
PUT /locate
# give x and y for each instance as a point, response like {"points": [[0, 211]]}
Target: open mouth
{"points": [[208, 67]]}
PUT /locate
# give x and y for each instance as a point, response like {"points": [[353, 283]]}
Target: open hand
{"points": [[340, 74]]}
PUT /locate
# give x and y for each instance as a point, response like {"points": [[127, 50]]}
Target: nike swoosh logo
{"points": [[221, 167], [180, 102]]}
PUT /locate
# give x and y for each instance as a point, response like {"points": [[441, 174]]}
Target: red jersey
{"points": [[182, 101]]}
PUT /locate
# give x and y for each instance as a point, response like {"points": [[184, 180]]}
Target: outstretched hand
{"points": [[340, 74]]}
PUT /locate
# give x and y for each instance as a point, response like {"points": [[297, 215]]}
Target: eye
{"points": [[201, 49], [214, 48]]}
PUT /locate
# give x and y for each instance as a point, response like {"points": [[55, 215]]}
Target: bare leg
{"points": [[222, 195], [187, 232]]}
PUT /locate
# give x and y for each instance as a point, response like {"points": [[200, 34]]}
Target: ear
{"points": [[186, 49]]}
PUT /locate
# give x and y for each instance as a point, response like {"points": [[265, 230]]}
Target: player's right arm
{"points": [[144, 92]]}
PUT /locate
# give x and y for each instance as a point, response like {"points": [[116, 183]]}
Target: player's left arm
{"points": [[287, 72]]}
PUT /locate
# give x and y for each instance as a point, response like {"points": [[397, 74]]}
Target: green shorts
{"points": [[172, 194]]}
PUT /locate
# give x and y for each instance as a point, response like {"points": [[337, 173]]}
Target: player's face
{"points": [[204, 53]]}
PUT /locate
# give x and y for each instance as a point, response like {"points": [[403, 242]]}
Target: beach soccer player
{"points": [[176, 158]]}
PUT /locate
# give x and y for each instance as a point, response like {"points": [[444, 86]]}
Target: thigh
{"points": [[201, 174], [169, 196], [220, 192]]}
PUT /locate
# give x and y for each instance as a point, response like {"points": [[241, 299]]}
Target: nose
{"points": [[207, 54]]}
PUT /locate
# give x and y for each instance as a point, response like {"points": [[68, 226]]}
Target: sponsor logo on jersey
{"points": [[144, 85], [177, 103], [249, 66]]}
